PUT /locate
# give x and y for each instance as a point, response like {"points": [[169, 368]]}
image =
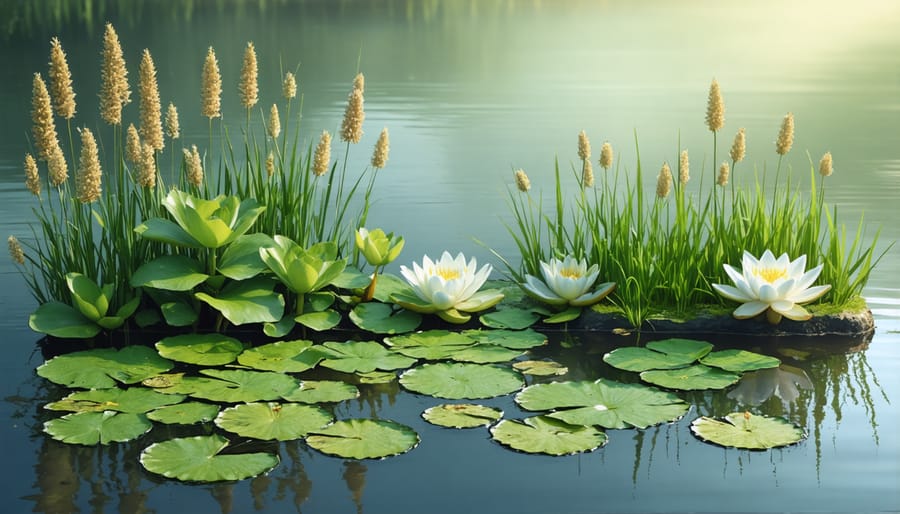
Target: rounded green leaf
{"points": [[484, 353], [747, 431], [510, 318], [570, 314], [135, 400], [186, 413], [541, 434], [200, 459], [201, 349], [268, 421], [376, 377], [234, 386], [456, 381], [322, 391], [281, 356], [240, 260], [603, 402], [247, 301], [178, 313], [686, 347], [364, 439], [739, 361], [664, 354], [380, 318], [362, 356], [540, 368], [61, 320], [320, 321], [429, 338], [462, 415], [170, 272], [512, 339], [102, 368], [692, 378], [90, 428]]}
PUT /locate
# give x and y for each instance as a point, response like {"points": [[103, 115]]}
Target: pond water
{"points": [[471, 90]]}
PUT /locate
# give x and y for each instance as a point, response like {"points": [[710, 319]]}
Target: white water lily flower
{"points": [[448, 287], [567, 282], [775, 286]]}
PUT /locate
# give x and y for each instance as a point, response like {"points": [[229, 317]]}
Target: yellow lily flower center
{"points": [[770, 274], [572, 273], [447, 274]]}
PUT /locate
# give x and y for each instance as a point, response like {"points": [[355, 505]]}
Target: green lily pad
{"points": [[91, 428], [687, 347], [692, 378], [186, 413], [200, 459], [739, 361], [322, 391], [135, 400], [268, 421], [376, 377], [747, 431], [380, 318], [512, 339], [429, 338], [247, 301], [603, 402], [510, 318], [351, 278], [60, 320], [665, 354], [201, 349], [540, 368], [234, 386], [364, 439], [388, 285], [282, 356], [570, 314], [461, 415], [169, 272], [178, 313], [102, 368], [320, 321], [362, 356], [483, 353], [541, 434], [456, 381]]}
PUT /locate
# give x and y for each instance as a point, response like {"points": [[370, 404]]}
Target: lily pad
{"points": [[186, 413], [234, 386], [201, 349], [247, 301], [268, 421], [380, 318], [484, 353], [456, 381], [570, 314], [462, 415], [200, 459], [322, 391], [60, 320], [510, 318], [686, 347], [603, 402], [512, 339], [692, 378], [364, 439], [91, 428], [429, 338], [103, 368], [376, 377], [665, 354], [320, 321], [135, 400], [169, 272], [540, 368], [541, 434], [362, 356], [739, 361], [282, 356], [747, 431]]}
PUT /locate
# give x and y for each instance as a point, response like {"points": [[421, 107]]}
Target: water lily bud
{"points": [[377, 247]]}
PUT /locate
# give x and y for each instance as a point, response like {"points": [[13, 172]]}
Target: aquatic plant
{"points": [[567, 282]]}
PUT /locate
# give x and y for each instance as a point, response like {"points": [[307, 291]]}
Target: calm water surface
{"points": [[471, 90]]}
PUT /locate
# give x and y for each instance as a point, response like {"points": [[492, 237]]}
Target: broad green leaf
{"points": [[202, 349], [320, 321], [247, 301], [747, 431], [179, 314], [351, 278], [632, 358], [462, 415], [691, 378], [570, 314], [268, 421], [540, 368], [483, 353], [241, 260], [322, 391], [686, 347], [458, 381], [91, 428], [512, 339], [200, 459], [282, 356], [61, 320], [320, 300], [429, 338], [603, 402], [362, 356], [234, 386], [739, 361], [102, 368], [163, 380], [388, 285], [376, 377], [186, 413], [363, 439], [541, 434], [511, 318], [281, 327], [88, 297], [165, 231], [380, 318], [170, 272], [134, 400]]}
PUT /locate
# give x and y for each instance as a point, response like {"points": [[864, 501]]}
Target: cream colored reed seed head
{"points": [[270, 165], [587, 174], [382, 147], [785, 135], [354, 115], [173, 129], [211, 87], [274, 127], [61, 82], [248, 87], [87, 178], [15, 250], [151, 110], [32, 178], [289, 86], [664, 181], [715, 108], [739, 147], [584, 146], [724, 171], [684, 168], [826, 166], [114, 90], [147, 175], [194, 166], [58, 167], [322, 156], [43, 128], [359, 82], [606, 156], [522, 181], [132, 145]]}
